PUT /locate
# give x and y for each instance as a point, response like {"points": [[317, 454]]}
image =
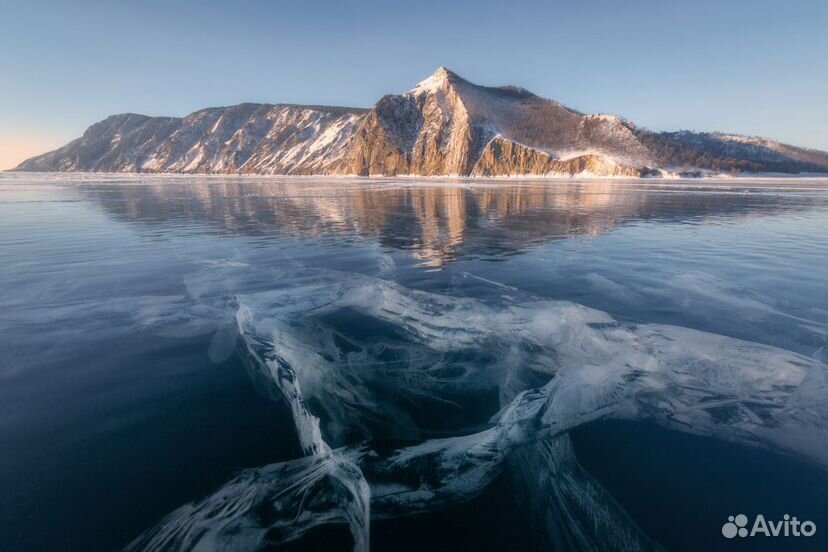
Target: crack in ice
{"points": [[556, 366]]}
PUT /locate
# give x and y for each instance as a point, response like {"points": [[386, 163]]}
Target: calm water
{"points": [[124, 394]]}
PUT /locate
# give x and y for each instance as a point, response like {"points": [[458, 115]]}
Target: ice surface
{"points": [[553, 365], [276, 503]]}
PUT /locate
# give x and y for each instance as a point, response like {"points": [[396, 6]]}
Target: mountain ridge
{"points": [[443, 126]]}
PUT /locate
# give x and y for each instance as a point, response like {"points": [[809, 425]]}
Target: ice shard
{"points": [[552, 365]]}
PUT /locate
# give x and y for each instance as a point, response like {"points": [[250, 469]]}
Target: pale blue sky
{"points": [[752, 67]]}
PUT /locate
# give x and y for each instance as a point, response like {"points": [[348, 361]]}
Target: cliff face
{"points": [[379, 145], [443, 126], [448, 126], [426, 131], [503, 157]]}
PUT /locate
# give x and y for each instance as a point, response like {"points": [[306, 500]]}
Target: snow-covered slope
{"points": [[246, 138], [445, 125], [716, 151]]}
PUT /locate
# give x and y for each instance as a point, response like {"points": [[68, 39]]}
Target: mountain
{"points": [[445, 125], [246, 138]]}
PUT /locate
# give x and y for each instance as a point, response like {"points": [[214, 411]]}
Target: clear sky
{"points": [[747, 66]]}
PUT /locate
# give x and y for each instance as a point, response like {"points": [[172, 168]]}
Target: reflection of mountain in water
{"points": [[436, 223]]}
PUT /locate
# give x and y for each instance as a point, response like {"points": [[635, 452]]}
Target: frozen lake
{"points": [[481, 365]]}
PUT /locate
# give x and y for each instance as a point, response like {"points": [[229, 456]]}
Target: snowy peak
{"points": [[444, 79], [441, 79], [443, 73], [445, 125]]}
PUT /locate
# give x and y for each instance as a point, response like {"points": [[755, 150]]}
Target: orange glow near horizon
{"points": [[15, 147]]}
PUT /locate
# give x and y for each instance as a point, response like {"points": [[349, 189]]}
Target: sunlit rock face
{"points": [[448, 126], [504, 157], [444, 126]]}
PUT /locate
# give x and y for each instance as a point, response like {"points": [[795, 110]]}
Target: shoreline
{"points": [[772, 177]]}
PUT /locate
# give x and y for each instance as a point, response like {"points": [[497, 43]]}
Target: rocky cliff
{"points": [[445, 125], [448, 126]]}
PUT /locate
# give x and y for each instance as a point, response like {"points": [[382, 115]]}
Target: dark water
{"points": [[122, 396]]}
